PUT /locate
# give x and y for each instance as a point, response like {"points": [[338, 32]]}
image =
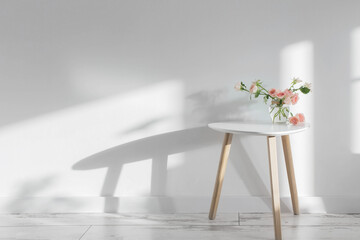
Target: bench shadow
{"points": [[157, 148]]}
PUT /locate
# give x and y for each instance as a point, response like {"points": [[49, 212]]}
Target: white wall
{"points": [[104, 104]]}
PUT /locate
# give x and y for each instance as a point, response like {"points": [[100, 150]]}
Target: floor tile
{"points": [[115, 219], [219, 232], [258, 219], [42, 233], [176, 226]]}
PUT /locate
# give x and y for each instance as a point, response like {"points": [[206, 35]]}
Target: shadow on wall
{"points": [[157, 148], [250, 175]]}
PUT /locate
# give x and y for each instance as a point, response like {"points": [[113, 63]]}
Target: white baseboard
{"points": [[174, 204]]}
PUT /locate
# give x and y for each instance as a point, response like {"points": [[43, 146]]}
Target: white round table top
{"points": [[267, 129]]}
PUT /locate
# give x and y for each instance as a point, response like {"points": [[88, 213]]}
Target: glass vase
{"points": [[279, 113]]}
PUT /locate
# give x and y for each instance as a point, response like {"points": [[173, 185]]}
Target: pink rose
{"points": [[280, 94], [253, 88], [295, 98], [294, 120], [288, 93], [287, 100], [273, 92], [301, 117]]}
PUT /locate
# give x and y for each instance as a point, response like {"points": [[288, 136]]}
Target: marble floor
{"points": [[175, 226]]}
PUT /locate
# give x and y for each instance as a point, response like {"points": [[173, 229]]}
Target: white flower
{"points": [[307, 85], [297, 80], [238, 86]]}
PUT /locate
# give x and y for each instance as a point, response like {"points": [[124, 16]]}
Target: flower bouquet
{"points": [[280, 100]]}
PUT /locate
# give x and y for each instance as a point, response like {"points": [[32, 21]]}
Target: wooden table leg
{"points": [[290, 172], [274, 181], [220, 174]]}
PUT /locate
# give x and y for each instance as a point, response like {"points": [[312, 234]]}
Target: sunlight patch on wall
{"points": [[175, 161], [355, 117], [355, 53], [355, 90], [52, 143], [135, 179], [297, 60]]}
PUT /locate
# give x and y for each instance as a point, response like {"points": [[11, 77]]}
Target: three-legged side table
{"points": [[270, 131]]}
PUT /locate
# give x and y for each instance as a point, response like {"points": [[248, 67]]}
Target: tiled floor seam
{"points": [[85, 232]]}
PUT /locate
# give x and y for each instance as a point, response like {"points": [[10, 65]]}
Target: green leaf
{"points": [[257, 93], [242, 87], [304, 90], [265, 100], [275, 115], [272, 109]]}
